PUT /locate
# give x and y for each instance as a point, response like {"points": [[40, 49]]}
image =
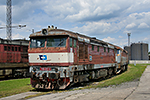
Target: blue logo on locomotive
{"points": [[43, 57]]}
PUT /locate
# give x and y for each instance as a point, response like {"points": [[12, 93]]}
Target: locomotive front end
{"points": [[49, 58]]}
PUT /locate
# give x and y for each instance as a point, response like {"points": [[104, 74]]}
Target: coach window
{"points": [[5, 48], [12, 48], [15, 48], [19, 49], [70, 42], [8, 48]]}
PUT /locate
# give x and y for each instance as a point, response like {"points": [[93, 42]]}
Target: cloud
{"points": [[109, 39], [120, 37], [130, 26], [109, 18], [143, 25], [138, 23], [17, 36], [116, 41]]}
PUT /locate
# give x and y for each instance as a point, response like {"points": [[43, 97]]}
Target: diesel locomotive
{"points": [[59, 58]]}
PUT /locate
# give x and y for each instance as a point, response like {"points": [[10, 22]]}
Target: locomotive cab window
{"points": [[35, 43], [56, 41]]}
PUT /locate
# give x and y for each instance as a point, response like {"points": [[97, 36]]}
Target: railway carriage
{"points": [[59, 58], [13, 57]]}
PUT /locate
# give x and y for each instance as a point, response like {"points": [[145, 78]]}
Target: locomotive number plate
{"points": [[45, 69]]}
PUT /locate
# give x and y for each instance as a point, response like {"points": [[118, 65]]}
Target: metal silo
{"points": [[135, 51], [139, 51], [128, 49], [144, 51]]}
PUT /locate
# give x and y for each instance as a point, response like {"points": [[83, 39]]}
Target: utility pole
{"points": [[128, 38], [8, 19]]}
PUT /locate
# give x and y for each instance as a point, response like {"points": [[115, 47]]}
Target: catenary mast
{"points": [[9, 19]]}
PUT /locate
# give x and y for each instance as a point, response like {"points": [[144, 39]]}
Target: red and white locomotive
{"points": [[59, 58]]}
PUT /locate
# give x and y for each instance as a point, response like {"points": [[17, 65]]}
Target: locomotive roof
{"points": [[61, 32], [80, 37]]}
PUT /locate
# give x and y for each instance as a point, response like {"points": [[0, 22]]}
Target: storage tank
{"points": [[144, 51], [139, 51], [128, 49]]}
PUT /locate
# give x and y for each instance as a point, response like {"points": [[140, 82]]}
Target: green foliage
{"points": [[11, 87], [15, 86]]}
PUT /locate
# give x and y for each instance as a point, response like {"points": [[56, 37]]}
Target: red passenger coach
{"points": [[13, 57], [59, 58]]}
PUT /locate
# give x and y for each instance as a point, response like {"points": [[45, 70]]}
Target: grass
{"points": [[11, 87], [133, 73], [15, 86]]}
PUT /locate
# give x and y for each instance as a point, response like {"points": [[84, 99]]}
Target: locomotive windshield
{"points": [[56, 42], [51, 42]]}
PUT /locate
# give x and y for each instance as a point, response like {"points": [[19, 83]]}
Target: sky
{"points": [[107, 20]]}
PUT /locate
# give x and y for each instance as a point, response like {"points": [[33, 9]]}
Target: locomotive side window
{"points": [[5, 48], [97, 48], [35, 43], [56, 42], [118, 51], [75, 43], [104, 49], [93, 47], [70, 42], [86, 51]]}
